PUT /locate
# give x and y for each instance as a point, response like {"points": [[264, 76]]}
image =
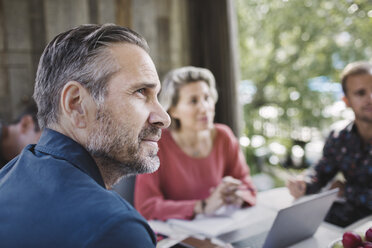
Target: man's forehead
{"points": [[148, 70], [362, 78], [133, 61], [359, 81], [142, 74], [127, 53]]}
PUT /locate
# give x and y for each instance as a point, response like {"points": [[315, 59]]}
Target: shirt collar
{"points": [[61, 146], [353, 129]]}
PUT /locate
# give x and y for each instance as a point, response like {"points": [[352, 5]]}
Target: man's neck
{"points": [[68, 131], [364, 130], [111, 171]]}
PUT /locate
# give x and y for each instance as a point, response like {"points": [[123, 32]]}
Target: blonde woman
{"points": [[201, 165]]}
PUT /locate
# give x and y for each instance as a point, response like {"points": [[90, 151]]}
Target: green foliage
{"points": [[283, 44]]}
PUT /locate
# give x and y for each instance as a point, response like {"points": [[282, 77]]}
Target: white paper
{"points": [[222, 223]]}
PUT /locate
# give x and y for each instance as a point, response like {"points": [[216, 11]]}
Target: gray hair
{"points": [[353, 69], [80, 54], [179, 77]]}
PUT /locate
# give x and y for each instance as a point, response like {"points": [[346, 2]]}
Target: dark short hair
{"points": [[81, 55], [353, 69], [31, 110]]}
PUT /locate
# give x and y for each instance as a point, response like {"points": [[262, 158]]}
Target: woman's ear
{"points": [[73, 107], [173, 113]]}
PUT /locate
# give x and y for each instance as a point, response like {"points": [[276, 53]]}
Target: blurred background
{"points": [[179, 32], [291, 55], [276, 62]]}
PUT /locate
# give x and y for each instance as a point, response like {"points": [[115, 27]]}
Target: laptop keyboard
{"points": [[255, 241]]}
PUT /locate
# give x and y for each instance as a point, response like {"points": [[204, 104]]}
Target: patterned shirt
{"points": [[346, 152]]}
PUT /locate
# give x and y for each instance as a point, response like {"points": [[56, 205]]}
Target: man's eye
{"points": [[360, 93], [141, 91]]}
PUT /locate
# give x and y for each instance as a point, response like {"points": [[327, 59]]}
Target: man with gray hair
{"points": [[96, 90]]}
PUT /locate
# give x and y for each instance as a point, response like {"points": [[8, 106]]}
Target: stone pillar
{"points": [[164, 25], [16, 57], [214, 46], [26, 26], [63, 15]]}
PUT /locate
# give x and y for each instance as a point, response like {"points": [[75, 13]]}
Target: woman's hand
{"points": [[215, 200], [226, 193], [232, 191]]}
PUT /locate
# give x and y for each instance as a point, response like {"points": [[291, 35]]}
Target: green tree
{"points": [[283, 45]]}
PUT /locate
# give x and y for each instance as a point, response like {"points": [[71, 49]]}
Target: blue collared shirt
{"points": [[53, 195]]}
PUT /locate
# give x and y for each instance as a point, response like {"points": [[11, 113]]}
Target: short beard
{"points": [[364, 119], [116, 152]]}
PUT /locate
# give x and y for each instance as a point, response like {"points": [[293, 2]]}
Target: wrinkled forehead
{"points": [[134, 64], [129, 55]]}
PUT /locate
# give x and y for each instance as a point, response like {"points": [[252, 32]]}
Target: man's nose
{"points": [[369, 96], [159, 117]]}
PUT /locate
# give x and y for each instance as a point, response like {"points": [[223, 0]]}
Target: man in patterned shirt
{"points": [[348, 151]]}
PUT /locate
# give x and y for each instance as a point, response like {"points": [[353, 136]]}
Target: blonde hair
{"points": [[179, 77]]}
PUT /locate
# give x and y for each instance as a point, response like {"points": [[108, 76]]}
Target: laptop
{"points": [[291, 224]]}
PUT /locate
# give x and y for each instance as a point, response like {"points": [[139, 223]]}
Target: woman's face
{"points": [[195, 107]]}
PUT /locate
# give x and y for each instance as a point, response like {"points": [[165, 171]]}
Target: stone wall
{"points": [[179, 32], [27, 25]]}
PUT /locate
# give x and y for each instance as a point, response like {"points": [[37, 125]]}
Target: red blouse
{"points": [[181, 180]]}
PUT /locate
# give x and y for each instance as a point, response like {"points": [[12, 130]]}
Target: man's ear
{"points": [[73, 96], [346, 101]]}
